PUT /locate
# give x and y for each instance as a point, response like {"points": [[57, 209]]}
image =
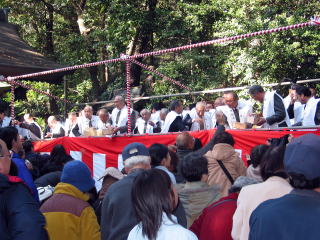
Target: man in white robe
{"points": [[85, 122], [235, 110], [274, 114], [173, 121], [143, 124], [311, 108], [293, 106], [54, 128], [201, 120], [70, 123], [104, 119]]}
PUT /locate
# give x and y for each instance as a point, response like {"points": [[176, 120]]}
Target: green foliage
{"points": [[116, 26]]}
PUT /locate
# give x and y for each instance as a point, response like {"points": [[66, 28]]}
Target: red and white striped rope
{"points": [[12, 102], [128, 78], [17, 83], [71, 68], [313, 21], [160, 74]]}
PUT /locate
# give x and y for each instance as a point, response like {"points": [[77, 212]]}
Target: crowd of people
{"points": [[299, 108], [181, 191]]}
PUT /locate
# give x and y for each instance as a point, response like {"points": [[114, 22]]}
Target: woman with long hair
{"points": [[154, 199]]}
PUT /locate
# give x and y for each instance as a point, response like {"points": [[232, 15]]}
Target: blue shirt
{"points": [[25, 175], [294, 216]]}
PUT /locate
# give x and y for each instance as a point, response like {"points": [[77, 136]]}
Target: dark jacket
{"points": [[293, 216], [52, 179], [20, 217], [38, 161], [25, 175], [279, 112], [117, 215], [181, 154]]}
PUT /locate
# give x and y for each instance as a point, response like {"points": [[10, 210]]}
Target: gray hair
{"points": [[119, 97], [104, 111], [136, 160], [200, 104], [253, 90], [144, 110], [164, 111]]}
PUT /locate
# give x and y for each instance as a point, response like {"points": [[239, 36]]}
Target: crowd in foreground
{"points": [[183, 191], [299, 108]]}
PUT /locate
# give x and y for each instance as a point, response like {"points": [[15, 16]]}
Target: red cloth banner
{"points": [[101, 152]]}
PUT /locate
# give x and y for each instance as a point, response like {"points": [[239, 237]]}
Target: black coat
{"points": [[20, 217]]}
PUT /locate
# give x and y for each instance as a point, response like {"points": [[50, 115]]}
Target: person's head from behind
{"points": [[231, 99], [219, 101], [12, 139], [145, 114], [152, 195], [301, 162], [176, 106], [241, 182], [174, 161], [5, 158], [257, 93], [303, 94], [28, 117], [224, 137], [160, 156], [194, 168], [110, 176], [28, 146], [59, 155], [78, 175], [257, 153], [135, 155], [200, 109], [185, 141], [272, 162]]}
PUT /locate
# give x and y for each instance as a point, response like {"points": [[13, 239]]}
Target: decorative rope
{"points": [[12, 102], [71, 68], [13, 82], [313, 21], [160, 74], [128, 77]]}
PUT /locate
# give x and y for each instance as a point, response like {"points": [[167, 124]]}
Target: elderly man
{"points": [[117, 215], [143, 124], [33, 128], [104, 119], [311, 110], [235, 110], [274, 113], [20, 217], [119, 116], [88, 120], [174, 121], [201, 119], [54, 128]]}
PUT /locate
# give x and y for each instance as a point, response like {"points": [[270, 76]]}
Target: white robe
{"points": [[171, 116], [69, 126], [155, 117], [244, 108], [309, 112], [102, 125], [297, 109], [140, 124], [268, 110], [206, 120], [83, 123], [123, 118]]}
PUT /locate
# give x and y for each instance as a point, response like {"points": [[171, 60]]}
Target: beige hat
{"points": [[112, 172]]}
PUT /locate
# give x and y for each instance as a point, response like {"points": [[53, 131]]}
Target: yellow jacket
{"points": [[69, 216]]}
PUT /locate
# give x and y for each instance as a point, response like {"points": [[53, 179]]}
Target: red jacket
{"points": [[215, 222]]}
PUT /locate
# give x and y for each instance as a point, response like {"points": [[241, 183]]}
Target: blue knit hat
{"points": [[77, 174]]}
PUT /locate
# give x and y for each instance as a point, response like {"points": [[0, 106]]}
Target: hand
{"points": [[198, 120], [48, 135], [115, 130], [151, 123], [16, 122], [29, 165], [261, 121]]}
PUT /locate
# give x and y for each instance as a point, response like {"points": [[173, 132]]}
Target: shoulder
{"points": [[176, 231]]}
